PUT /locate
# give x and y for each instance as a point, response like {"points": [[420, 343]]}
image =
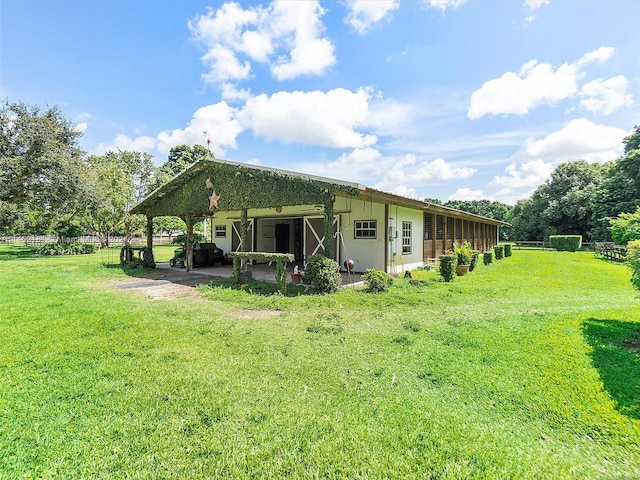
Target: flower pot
{"points": [[462, 270]]}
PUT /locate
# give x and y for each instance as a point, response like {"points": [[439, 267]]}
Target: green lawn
{"points": [[527, 368]]}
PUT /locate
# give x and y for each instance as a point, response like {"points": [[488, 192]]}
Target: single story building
{"points": [[262, 209]]}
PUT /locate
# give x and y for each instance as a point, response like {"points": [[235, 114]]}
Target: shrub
{"points": [[565, 243], [633, 262], [323, 273], [475, 254], [448, 267], [182, 238], [625, 228], [507, 249], [61, 248], [377, 280], [498, 251], [487, 258], [463, 253]]}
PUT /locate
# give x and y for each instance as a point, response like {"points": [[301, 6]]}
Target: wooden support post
{"points": [[329, 241], [244, 230], [189, 244]]}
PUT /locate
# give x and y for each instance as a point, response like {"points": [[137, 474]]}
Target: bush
{"points": [[448, 267], [61, 248], [182, 238], [475, 254], [507, 249], [565, 243], [498, 251], [625, 228], [377, 280], [633, 262], [487, 258], [323, 273], [463, 253]]}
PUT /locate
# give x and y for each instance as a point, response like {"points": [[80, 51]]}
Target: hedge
{"points": [[498, 250], [448, 267], [487, 258], [565, 243]]}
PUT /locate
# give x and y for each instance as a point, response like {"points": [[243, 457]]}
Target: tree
{"points": [[121, 179], [632, 142], [619, 191], [43, 173], [560, 206], [180, 158]]}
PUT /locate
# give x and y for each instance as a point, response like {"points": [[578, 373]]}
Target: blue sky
{"points": [[450, 99]]}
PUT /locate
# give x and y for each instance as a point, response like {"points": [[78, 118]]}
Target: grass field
{"points": [[528, 368]]}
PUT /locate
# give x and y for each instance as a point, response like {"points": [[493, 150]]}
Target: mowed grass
{"points": [[527, 368]]}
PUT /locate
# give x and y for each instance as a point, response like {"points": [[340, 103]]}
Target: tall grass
{"points": [[526, 368]]}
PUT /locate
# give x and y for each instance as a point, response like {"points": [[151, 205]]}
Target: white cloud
{"points": [[81, 127], [535, 84], [532, 6], [443, 5], [358, 157], [286, 35], [217, 119], [606, 96], [231, 93], [579, 139], [467, 194], [124, 142], [326, 119], [405, 191], [364, 14], [600, 55], [521, 181], [408, 172]]}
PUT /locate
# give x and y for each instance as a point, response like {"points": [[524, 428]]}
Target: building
{"points": [[256, 208]]}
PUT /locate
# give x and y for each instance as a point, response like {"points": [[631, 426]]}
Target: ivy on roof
{"points": [[236, 187]]}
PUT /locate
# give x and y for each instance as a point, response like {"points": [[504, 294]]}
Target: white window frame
{"points": [[362, 226], [221, 231], [406, 238]]}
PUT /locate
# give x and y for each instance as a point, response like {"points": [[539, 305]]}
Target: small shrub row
{"points": [[475, 254], [60, 248], [498, 251]]}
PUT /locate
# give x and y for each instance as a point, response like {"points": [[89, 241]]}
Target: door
{"points": [[314, 236], [235, 236], [282, 238]]}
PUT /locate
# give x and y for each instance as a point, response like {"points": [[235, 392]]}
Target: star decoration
{"points": [[208, 183], [213, 200]]}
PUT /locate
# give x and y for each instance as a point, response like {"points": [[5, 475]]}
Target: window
{"points": [[439, 227], [449, 228], [406, 238], [428, 226], [221, 231], [365, 229]]}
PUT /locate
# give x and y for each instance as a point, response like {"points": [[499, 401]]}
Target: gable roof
{"points": [[243, 185]]}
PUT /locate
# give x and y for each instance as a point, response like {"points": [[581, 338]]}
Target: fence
{"points": [[544, 245], [37, 240], [611, 251]]}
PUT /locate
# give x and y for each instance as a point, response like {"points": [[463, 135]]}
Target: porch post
{"points": [[189, 244], [244, 228], [150, 233], [329, 244]]}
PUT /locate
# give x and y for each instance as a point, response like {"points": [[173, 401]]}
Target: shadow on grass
{"points": [[15, 252], [259, 287], [616, 356]]}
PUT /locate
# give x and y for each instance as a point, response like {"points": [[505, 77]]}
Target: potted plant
{"points": [[463, 255]]}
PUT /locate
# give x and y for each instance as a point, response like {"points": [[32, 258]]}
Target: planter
{"points": [[296, 277], [462, 270]]}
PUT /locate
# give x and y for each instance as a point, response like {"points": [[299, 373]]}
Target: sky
{"points": [[447, 99]]}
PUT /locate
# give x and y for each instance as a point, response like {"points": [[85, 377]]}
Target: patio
{"points": [[261, 271]]}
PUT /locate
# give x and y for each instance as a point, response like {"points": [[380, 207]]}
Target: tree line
{"points": [[49, 185]]}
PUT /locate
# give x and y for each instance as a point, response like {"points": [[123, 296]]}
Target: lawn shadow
{"points": [[616, 356], [16, 252]]}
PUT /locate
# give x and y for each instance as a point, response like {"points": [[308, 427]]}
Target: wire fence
{"points": [[37, 240]]}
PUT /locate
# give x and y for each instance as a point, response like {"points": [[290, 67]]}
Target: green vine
{"points": [[239, 187], [281, 260]]}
